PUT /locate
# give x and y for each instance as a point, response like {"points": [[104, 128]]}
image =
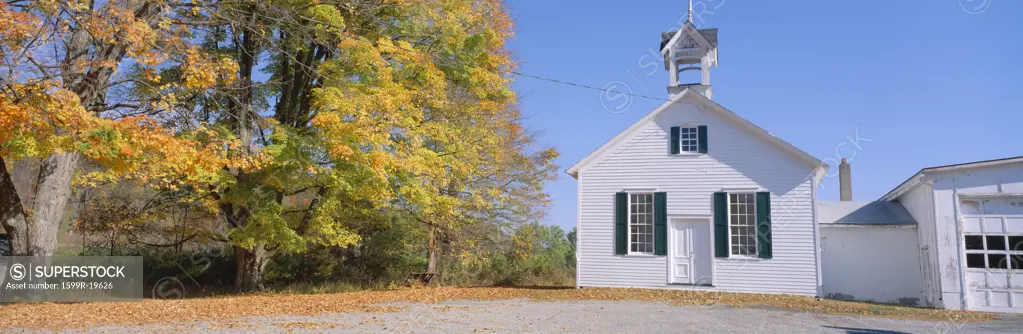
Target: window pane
{"points": [[1016, 243], [741, 221], [975, 242], [1016, 261], [975, 260], [641, 230], [996, 242], [997, 261]]}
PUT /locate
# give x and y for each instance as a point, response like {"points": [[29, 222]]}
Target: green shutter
{"points": [[720, 224], [660, 223], [764, 225], [676, 133], [702, 136], [621, 223]]}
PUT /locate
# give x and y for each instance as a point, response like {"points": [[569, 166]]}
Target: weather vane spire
{"points": [[689, 16]]}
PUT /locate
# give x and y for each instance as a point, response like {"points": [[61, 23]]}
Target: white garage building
{"points": [[970, 231], [869, 251]]}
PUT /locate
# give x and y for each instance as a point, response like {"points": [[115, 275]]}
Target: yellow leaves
{"points": [[341, 151], [378, 162], [202, 71], [329, 22]]}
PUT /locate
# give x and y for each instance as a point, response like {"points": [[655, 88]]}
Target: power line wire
{"points": [[587, 86]]}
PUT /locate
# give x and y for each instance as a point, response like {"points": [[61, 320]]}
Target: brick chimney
{"points": [[845, 181]]}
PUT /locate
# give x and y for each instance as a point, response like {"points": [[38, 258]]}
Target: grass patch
{"points": [[310, 301]]}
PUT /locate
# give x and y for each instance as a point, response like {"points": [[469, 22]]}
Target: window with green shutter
{"points": [[764, 225], [660, 223], [720, 224], [688, 139], [702, 141], [673, 141], [621, 223], [742, 225], [641, 223]]}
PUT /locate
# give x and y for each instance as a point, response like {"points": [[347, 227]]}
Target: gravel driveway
{"points": [[575, 316]]}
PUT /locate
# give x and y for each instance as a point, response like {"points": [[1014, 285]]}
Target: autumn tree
{"points": [[366, 107], [71, 68], [293, 120]]}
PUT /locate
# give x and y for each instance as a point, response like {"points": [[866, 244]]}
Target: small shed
{"points": [[870, 252]]}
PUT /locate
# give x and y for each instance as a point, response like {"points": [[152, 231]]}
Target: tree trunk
{"points": [[12, 214], [52, 191], [431, 264], [250, 266]]}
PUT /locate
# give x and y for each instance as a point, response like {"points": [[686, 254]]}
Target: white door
{"points": [[993, 242], [689, 252], [681, 253]]}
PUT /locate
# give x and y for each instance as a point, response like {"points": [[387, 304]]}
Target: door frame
{"points": [[693, 219]]}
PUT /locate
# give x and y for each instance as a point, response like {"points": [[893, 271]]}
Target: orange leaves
{"points": [[39, 120], [45, 120], [16, 27]]}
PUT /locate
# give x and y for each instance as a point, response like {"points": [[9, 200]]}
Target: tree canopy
{"points": [[293, 120]]}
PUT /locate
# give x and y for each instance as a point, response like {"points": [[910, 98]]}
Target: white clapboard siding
{"points": [[737, 158]]}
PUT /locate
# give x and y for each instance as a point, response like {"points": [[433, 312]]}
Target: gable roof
{"points": [[711, 34], [704, 34], [691, 95], [864, 213], [914, 180]]}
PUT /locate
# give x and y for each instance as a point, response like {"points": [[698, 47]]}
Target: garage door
{"points": [[993, 231]]}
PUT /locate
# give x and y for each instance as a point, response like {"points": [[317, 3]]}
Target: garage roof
{"points": [[911, 183], [864, 213]]}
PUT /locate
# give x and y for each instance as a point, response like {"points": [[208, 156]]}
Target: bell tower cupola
{"points": [[688, 51]]}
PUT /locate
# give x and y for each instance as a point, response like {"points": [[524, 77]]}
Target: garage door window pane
{"points": [[1016, 243], [995, 242], [994, 251], [974, 242], [997, 261], [975, 260]]}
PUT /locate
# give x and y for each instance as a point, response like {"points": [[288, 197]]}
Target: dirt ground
{"points": [[434, 310], [516, 316]]}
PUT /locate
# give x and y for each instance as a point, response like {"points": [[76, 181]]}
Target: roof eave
{"points": [[904, 188], [579, 166], [856, 225], [805, 157]]}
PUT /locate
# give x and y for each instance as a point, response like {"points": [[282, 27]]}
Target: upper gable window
{"points": [[689, 139]]}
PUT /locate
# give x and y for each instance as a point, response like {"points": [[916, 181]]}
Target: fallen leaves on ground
{"points": [[222, 308]]}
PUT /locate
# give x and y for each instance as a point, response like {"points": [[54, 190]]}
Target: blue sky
{"points": [[922, 82]]}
